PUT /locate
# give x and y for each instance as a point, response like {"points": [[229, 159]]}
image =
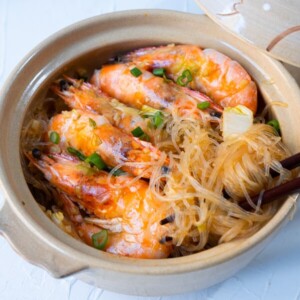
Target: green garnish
{"points": [[203, 105], [85, 169], [139, 133], [187, 73], [119, 172], [92, 123], [96, 160], [185, 78], [157, 119], [77, 153], [100, 239], [136, 72], [145, 137], [275, 124], [54, 137], [155, 115], [159, 72]]}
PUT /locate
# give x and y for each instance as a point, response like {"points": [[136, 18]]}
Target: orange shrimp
{"points": [[84, 231], [130, 213], [84, 96], [213, 73], [117, 81], [90, 133]]}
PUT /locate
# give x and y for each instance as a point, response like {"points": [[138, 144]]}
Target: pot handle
{"points": [[56, 262]]}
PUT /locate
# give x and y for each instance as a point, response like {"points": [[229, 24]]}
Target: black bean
{"points": [[216, 114], [165, 239], [63, 85], [36, 153], [165, 170], [168, 219], [116, 59]]}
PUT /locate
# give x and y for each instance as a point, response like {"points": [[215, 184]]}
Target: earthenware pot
{"points": [[90, 43]]}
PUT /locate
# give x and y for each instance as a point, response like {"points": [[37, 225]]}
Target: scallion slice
{"points": [[203, 105], [54, 137], [96, 160], [188, 75], [275, 124], [139, 133], [156, 116], [145, 137], [119, 172], [136, 72], [92, 123], [159, 72], [100, 239], [185, 78], [158, 119], [77, 153]]}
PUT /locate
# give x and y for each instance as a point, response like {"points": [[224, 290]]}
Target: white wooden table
{"points": [[274, 274]]}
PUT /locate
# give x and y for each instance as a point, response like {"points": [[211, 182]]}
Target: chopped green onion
{"points": [[137, 132], [100, 239], [185, 78], [188, 75], [119, 172], [180, 81], [203, 105], [155, 115], [158, 119], [275, 124], [136, 72], [85, 169], [166, 79], [96, 160], [77, 153], [92, 123], [54, 137], [145, 137], [159, 72]]}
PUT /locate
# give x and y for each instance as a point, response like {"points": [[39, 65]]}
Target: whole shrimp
{"points": [[130, 213], [213, 73], [90, 133], [146, 89], [84, 96]]}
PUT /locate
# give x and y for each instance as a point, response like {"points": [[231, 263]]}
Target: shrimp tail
{"points": [[84, 230], [133, 55], [74, 178], [71, 91]]}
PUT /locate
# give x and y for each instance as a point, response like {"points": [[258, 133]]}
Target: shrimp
{"points": [[130, 213], [84, 230], [90, 133], [117, 81], [84, 96], [213, 73]]}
